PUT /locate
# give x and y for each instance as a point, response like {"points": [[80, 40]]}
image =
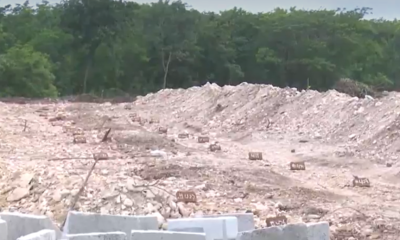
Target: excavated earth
{"points": [[337, 136]]}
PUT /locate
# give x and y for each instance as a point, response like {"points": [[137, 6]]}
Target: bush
{"points": [[354, 88]]}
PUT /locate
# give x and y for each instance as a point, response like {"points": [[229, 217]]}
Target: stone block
{"points": [[166, 235], [41, 235], [214, 228], [318, 231], [271, 233], [79, 222], [19, 224], [245, 220], [98, 236], [189, 229], [296, 231], [3, 230]]}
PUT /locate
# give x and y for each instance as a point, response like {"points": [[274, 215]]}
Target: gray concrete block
{"points": [[189, 229], [245, 220], [98, 236], [41, 235], [79, 222], [23, 224], [214, 228], [296, 231], [3, 230], [318, 231], [271, 233], [166, 235]]}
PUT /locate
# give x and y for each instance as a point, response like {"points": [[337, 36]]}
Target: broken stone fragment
{"points": [[128, 202], [18, 194], [118, 199], [185, 212], [25, 180], [150, 194], [57, 197], [172, 204], [352, 136], [160, 218], [166, 212], [175, 214], [108, 194], [149, 208]]}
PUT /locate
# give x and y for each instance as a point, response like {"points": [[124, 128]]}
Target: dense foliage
{"points": [[89, 46]]}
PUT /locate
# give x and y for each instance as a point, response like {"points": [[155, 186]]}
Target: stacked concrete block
{"points": [[79, 222], [19, 225], [98, 236], [41, 235], [90, 226], [3, 230], [166, 235], [214, 228], [299, 231], [245, 220]]}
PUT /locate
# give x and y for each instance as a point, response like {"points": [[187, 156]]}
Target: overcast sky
{"points": [[388, 9]]}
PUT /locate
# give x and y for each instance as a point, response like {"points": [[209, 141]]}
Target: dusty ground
{"points": [[337, 136]]}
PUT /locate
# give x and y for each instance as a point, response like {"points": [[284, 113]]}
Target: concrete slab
{"points": [[214, 228], [271, 233], [245, 220], [41, 235], [79, 222], [24, 224], [98, 236], [3, 230], [318, 231], [166, 235]]}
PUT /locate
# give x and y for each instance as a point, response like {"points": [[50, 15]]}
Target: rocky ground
{"points": [[338, 137]]}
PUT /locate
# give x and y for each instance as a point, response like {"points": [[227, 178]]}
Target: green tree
{"points": [[96, 45], [27, 73], [92, 22], [170, 30]]}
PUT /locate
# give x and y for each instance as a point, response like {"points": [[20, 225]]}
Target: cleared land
{"points": [[338, 137]]}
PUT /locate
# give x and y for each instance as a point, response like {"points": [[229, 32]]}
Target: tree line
{"points": [[113, 47]]}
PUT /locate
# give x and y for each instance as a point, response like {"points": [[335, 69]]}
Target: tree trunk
{"points": [[89, 62], [86, 76], [166, 68]]}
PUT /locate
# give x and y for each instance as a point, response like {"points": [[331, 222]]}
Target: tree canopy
{"points": [[89, 46]]}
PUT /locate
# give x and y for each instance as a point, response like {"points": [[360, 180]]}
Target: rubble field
{"points": [[338, 138]]}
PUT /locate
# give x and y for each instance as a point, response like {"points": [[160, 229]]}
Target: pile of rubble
{"points": [[367, 124]]}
